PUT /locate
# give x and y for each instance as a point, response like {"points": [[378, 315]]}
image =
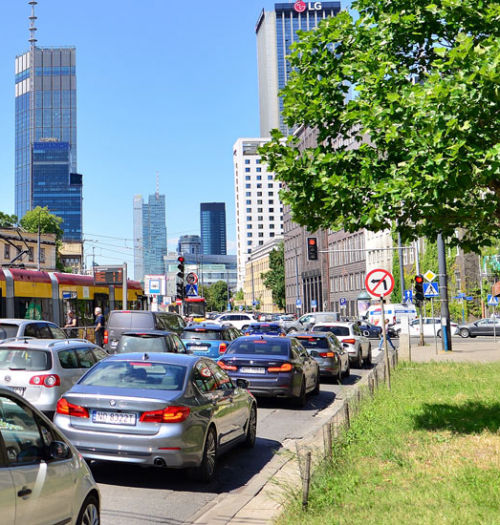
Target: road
{"points": [[134, 495]]}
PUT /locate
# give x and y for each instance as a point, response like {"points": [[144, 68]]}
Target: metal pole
{"points": [[297, 289], [124, 287], [386, 348], [421, 321], [443, 290], [401, 269], [434, 324], [38, 243]]}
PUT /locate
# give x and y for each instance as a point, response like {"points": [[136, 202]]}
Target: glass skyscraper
{"points": [[213, 228]]}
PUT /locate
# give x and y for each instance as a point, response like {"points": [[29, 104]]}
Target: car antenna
{"points": [[145, 357]]}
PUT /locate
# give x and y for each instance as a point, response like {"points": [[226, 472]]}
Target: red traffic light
{"points": [[180, 259], [419, 279], [311, 241]]}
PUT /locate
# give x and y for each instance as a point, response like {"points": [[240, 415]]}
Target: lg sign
{"points": [[301, 6]]}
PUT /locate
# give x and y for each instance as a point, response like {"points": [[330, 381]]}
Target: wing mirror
{"points": [[59, 450]]}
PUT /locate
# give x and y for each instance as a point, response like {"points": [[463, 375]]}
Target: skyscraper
{"points": [[276, 32], [45, 110], [150, 236], [213, 228]]}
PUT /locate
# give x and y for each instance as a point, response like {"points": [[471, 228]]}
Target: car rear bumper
{"points": [[281, 386]]}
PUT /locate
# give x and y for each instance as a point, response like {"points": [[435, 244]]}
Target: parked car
{"points": [[30, 328], [370, 330], [239, 320], [274, 367], [307, 321], [357, 345], [265, 328], [120, 321], [290, 323], [327, 350], [208, 339], [41, 370], [428, 324], [165, 410], [150, 341], [45, 480], [488, 327]]}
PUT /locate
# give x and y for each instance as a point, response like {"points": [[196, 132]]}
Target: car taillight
{"points": [[222, 348], [285, 367], [66, 408], [326, 354], [48, 380], [227, 367], [105, 339], [349, 341], [171, 414]]}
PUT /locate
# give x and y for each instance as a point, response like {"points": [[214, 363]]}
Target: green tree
{"points": [[274, 279], [7, 221], [239, 295], [216, 296], [417, 85], [49, 223]]}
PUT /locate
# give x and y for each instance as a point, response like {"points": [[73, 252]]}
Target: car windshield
{"points": [[278, 346], [313, 342], [145, 343], [136, 374], [203, 334], [337, 330], [57, 333], [8, 330], [23, 359]]}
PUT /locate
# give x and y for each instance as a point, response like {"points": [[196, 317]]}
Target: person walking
{"points": [[71, 323], [99, 327], [381, 342]]}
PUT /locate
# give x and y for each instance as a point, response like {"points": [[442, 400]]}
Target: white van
{"points": [[395, 312]]}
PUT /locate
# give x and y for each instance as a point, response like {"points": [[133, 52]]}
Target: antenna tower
{"points": [[32, 40]]}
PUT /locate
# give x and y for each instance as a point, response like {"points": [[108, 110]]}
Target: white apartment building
{"points": [[259, 210]]}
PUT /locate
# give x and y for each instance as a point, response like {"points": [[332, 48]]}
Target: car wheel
{"points": [[464, 332], [359, 359], [251, 428], [206, 471], [315, 392], [301, 401], [368, 361], [89, 513], [347, 372], [366, 333]]}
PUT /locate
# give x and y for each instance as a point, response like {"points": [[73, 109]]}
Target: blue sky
{"points": [[162, 86]]}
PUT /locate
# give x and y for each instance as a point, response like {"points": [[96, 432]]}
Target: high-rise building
{"points": [[276, 32], [189, 244], [259, 211], [213, 228], [150, 236], [45, 110]]}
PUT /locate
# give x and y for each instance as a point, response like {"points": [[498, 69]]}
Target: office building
{"points": [[259, 211], [213, 228], [45, 110], [189, 244], [276, 32], [150, 236]]}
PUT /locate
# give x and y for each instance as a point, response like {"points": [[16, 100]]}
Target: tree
{"points": [[49, 223], [216, 296], [7, 221], [415, 85], [274, 279]]}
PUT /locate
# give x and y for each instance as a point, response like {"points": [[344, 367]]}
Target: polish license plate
{"points": [[252, 370], [114, 418], [201, 348], [19, 390]]}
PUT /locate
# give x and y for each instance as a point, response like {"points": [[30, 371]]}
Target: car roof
{"points": [[22, 343], [19, 322], [147, 332], [158, 357], [310, 334]]}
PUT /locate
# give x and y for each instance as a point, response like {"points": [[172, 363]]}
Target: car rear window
{"points": [[136, 374], [8, 330], [23, 359], [147, 343], [337, 330], [279, 346], [264, 328], [205, 334], [313, 342], [128, 320]]}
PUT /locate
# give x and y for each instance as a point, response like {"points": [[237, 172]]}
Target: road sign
{"points": [[255, 302], [379, 282], [461, 295], [191, 290], [431, 290], [408, 295], [492, 300], [430, 276], [343, 301], [192, 278], [298, 303]]}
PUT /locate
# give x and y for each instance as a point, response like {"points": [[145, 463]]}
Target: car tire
{"points": [[347, 372], [359, 359], [300, 402], [316, 390], [366, 333], [464, 332], [205, 472], [368, 361], [89, 513], [251, 428]]}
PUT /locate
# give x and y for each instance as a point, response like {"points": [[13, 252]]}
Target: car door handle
{"points": [[25, 491]]}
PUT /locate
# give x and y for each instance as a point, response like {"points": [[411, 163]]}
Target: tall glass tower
{"points": [[45, 110], [213, 228]]}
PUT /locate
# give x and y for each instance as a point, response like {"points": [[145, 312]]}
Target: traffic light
{"points": [[312, 249], [419, 289], [181, 291]]}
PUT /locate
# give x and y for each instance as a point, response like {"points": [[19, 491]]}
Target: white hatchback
{"points": [[429, 325]]}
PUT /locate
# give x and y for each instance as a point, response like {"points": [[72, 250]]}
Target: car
{"points": [[429, 325], [265, 328], [370, 330], [488, 327], [150, 341], [290, 323], [274, 367], [41, 370], [239, 320], [307, 321], [30, 328], [328, 352], [208, 339], [120, 321], [165, 410], [349, 333], [44, 479]]}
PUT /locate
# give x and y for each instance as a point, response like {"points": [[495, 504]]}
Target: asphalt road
{"points": [[134, 495]]}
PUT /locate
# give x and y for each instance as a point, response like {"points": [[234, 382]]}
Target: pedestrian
{"points": [[386, 335], [71, 323], [99, 327]]}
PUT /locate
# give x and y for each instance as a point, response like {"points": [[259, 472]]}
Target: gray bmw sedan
{"points": [[164, 410]]}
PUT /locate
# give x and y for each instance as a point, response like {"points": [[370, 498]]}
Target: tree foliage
{"points": [[274, 279], [7, 221], [49, 223], [216, 296], [416, 85]]}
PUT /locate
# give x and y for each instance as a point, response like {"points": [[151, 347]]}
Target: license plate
{"points": [[114, 418], [252, 370], [19, 390], [199, 347]]}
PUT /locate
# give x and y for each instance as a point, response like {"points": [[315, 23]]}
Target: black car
{"points": [[265, 328], [371, 330], [273, 366], [150, 341]]}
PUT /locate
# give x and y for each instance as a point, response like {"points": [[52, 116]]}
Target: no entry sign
{"points": [[379, 282]]}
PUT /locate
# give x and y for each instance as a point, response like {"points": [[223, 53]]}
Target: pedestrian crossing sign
{"points": [[492, 300]]}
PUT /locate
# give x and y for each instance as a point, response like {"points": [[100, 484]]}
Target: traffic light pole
{"points": [[443, 290]]}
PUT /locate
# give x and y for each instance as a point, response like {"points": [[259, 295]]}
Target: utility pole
{"points": [[38, 243], [443, 291], [401, 269], [421, 321], [297, 288], [124, 287]]}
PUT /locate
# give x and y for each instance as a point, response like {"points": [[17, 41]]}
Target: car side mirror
{"points": [[242, 383], [59, 450]]}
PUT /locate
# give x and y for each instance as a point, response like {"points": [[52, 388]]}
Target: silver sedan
{"points": [[164, 410]]}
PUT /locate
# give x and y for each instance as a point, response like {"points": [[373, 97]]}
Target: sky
{"points": [[161, 87]]}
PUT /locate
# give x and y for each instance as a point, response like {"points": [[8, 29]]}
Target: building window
{"points": [[269, 177], [247, 177], [249, 210], [249, 226], [271, 226], [270, 193], [258, 170], [259, 185], [247, 185], [249, 218], [247, 161], [259, 201], [6, 252], [259, 194], [271, 210], [260, 218], [271, 218], [248, 194], [259, 177], [249, 243], [249, 202], [249, 234], [257, 161], [261, 226], [261, 234], [249, 250], [259, 210], [31, 257], [269, 184], [271, 234], [261, 243], [247, 170], [271, 201]]}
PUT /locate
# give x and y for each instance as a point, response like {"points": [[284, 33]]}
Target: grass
{"points": [[428, 452]]}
